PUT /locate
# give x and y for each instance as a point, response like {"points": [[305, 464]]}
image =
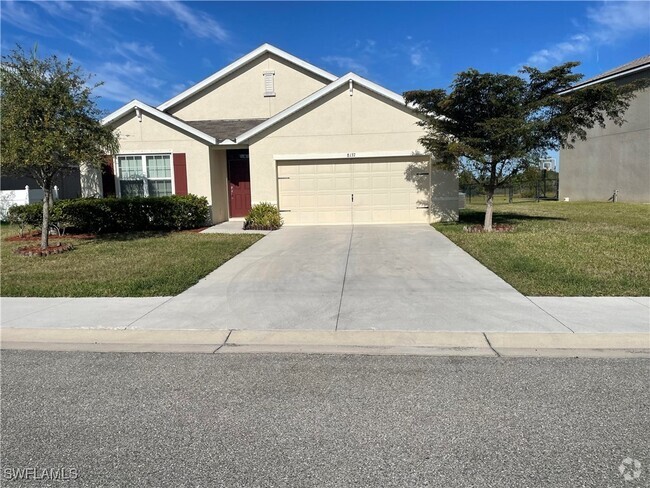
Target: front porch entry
{"points": [[239, 182]]}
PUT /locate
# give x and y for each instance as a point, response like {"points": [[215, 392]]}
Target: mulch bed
{"points": [[36, 236], [37, 251], [495, 228]]}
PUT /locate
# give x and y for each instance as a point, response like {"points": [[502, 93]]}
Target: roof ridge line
{"points": [[318, 94], [238, 63], [136, 104]]}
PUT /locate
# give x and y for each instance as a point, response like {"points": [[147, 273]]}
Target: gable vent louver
{"points": [[269, 83]]}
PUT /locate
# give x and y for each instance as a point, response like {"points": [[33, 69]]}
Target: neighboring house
{"points": [[273, 128], [68, 185], [613, 159], [18, 190]]}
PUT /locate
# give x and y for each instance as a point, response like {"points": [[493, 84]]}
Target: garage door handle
{"points": [[353, 197], [284, 177]]}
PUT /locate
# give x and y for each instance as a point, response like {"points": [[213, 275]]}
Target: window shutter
{"points": [[269, 85], [180, 174], [108, 177]]}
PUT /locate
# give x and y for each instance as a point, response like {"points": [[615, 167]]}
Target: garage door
{"points": [[359, 191]]}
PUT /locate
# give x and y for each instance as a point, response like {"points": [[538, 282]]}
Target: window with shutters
{"points": [[144, 175], [269, 83]]}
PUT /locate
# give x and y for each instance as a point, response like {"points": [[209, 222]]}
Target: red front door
{"points": [[239, 183]]}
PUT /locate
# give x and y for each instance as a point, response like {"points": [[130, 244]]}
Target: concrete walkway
{"points": [[342, 278]]}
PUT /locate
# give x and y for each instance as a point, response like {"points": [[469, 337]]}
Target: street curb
{"points": [[510, 344]]}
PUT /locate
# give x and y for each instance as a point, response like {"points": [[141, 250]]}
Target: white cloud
{"points": [[59, 8], [195, 24], [561, 51], [129, 68], [420, 58], [365, 47], [122, 82], [606, 24], [618, 20], [27, 18], [347, 64], [136, 50], [181, 87], [413, 57]]}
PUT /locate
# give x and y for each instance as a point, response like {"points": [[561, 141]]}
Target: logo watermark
{"points": [[34, 473], [630, 469]]}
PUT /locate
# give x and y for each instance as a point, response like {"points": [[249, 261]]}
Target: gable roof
{"points": [[638, 64], [135, 105], [263, 49], [350, 78], [223, 130]]}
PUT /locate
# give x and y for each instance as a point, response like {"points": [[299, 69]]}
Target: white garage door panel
{"points": [[320, 192]]}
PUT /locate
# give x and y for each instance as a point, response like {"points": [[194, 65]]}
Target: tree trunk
{"points": [[45, 227], [487, 224], [490, 187]]}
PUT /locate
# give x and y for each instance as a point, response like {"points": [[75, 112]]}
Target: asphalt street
{"points": [[315, 420]]}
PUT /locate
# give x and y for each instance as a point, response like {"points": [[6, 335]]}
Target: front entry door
{"points": [[239, 183]]}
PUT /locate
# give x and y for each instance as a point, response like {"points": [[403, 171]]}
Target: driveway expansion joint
{"points": [[550, 315], [345, 273], [40, 309], [147, 313], [223, 343], [489, 344]]}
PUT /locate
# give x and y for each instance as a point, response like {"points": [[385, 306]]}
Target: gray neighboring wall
{"points": [[69, 184], [613, 158]]}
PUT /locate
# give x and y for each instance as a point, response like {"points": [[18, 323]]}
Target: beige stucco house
{"points": [[614, 158], [273, 128]]}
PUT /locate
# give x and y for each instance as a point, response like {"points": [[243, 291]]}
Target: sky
{"points": [[153, 50]]}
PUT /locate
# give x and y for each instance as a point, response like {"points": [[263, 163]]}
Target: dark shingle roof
{"points": [[224, 129], [637, 63]]}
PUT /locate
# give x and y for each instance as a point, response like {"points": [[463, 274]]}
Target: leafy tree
{"points": [[49, 123], [495, 126], [466, 178]]}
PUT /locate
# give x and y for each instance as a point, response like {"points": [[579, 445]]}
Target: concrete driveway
{"points": [[392, 277]]}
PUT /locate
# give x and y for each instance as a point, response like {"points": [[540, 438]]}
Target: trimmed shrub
{"points": [[30, 215], [111, 215], [263, 216]]}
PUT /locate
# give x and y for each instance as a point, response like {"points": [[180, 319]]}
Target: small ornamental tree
{"points": [[495, 126], [50, 123]]}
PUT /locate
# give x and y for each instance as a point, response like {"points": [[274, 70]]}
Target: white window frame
{"points": [[143, 164]]}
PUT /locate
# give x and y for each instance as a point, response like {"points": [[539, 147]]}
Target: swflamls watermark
{"points": [[630, 469], [34, 473]]}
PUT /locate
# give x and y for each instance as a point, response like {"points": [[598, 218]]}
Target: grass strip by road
{"points": [[126, 265], [563, 248]]}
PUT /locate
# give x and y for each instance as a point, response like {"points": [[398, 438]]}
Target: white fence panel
{"points": [[9, 198]]}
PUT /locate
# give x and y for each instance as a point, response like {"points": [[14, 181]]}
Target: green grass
{"points": [[129, 265], [563, 249]]}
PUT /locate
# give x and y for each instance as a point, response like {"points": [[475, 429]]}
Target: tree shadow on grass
{"points": [[470, 216], [132, 236]]}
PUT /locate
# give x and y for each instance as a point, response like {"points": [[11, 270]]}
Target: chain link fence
{"points": [[529, 191]]}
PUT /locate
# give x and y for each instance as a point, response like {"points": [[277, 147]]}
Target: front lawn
{"points": [[563, 248], [127, 265]]}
